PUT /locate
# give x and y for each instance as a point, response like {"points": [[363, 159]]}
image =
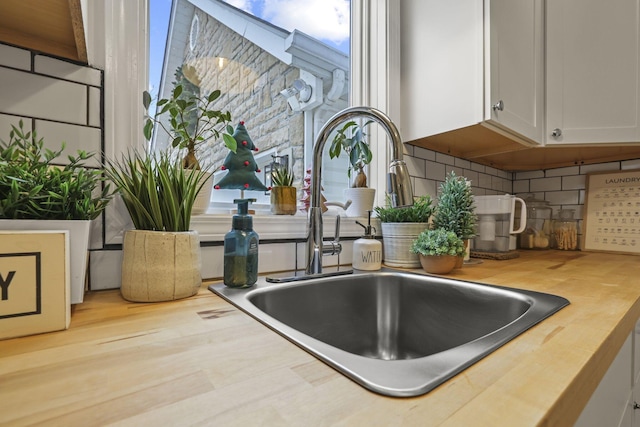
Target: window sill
{"points": [[213, 227]]}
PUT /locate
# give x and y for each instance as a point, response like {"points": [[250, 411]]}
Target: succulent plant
{"points": [[282, 177]]}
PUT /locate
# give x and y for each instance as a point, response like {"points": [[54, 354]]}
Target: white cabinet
{"points": [[592, 71], [613, 401], [516, 66]]}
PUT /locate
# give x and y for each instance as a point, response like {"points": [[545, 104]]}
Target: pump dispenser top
{"points": [[241, 249]]}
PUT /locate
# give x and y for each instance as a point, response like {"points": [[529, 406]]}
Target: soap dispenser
{"points": [[367, 251], [241, 249]]}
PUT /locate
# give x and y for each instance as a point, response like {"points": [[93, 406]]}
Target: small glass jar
{"points": [[565, 231], [537, 233]]}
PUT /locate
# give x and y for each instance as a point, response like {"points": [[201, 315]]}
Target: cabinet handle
{"points": [[498, 106], [556, 133], [635, 405]]}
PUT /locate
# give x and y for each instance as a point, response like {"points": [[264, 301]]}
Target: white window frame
{"points": [[117, 41]]}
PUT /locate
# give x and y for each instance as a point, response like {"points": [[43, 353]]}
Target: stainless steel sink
{"points": [[395, 333]]}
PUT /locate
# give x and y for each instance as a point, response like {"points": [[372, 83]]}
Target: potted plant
{"points": [[400, 226], [37, 193], [192, 123], [438, 249], [455, 210], [161, 258], [351, 139], [283, 193]]}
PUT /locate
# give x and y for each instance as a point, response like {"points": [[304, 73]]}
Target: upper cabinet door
{"points": [[516, 67], [593, 55]]}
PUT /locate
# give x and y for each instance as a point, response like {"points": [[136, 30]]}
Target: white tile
{"points": [[529, 174], [75, 138], [407, 149], [521, 186], [571, 170], [15, 57], [484, 180], [598, 167], [31, 95], [66, 70], [471, 176], [415, 165], [546, 184], [573, 182], [276, 257], [562, 197], [462, 163], [492, 171], [212, 262], [456, 170], [445, 158], [423, 153], [105, 269], [434, 171], [94, 107], [6, 122], [422, 187], [478, 167], [630, 164]]}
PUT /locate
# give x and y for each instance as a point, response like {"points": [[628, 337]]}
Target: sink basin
{"points": [[395, 333]]}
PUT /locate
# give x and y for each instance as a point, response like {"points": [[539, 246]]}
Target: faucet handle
{"points": [[337, 233]]}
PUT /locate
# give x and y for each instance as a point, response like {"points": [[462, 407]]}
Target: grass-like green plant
{"points": [[437, 242], [192, 120], [33, 186], [282, 177], [420, 211], [455, 210], [352, 140], [157, 191]]}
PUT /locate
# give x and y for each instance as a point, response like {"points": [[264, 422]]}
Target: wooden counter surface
{"points": [[200, 361]]}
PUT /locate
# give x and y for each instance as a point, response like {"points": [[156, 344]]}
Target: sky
{"points": [[326, 20]]}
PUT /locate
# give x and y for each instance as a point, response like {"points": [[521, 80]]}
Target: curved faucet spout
{"points": [[398, 182]]}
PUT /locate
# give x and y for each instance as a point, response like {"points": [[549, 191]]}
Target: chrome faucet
{"points": [[398, 183]]}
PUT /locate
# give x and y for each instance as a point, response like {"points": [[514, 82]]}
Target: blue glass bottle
{"points": [[241, 249]]}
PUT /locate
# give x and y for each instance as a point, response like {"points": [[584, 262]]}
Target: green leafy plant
{"points": [[437, 242], [32, 186], [352, 140], [192, 121], [455, 210], [157, 191], [420, 211], [282, 177]]}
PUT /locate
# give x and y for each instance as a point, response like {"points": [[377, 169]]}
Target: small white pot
{"points": [[361, 201], [160, 266], [204, 196], [397, 238]]}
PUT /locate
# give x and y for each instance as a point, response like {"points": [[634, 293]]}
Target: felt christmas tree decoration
{"points": [[241, 165]]}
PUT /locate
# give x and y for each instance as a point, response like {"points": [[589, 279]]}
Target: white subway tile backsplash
{"points": [[7, 121], [462, 163], [105, 269], [484, 180], [66, 70], [478, 167], [95, 106], [424, 153], [546, 184], [277, 257], [571, 170], [423, 187], [573, 182], [600, 167], [407, 149], [42, 97], [445, 158], [448, 169], [435, 171], [15, 57], [75, 138], [471, 176], [521, 186], [570, 197], [491, 171], [416, 166], [630, 164], [529, 174]]}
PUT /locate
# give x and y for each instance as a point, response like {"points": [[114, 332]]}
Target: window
{"points": [[281, 70]]}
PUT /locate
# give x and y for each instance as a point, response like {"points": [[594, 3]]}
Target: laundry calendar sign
{"points": [[612, 205], [34, 282]]}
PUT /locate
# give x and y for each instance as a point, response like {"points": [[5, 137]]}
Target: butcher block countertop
{"points": [[200, 361]]}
